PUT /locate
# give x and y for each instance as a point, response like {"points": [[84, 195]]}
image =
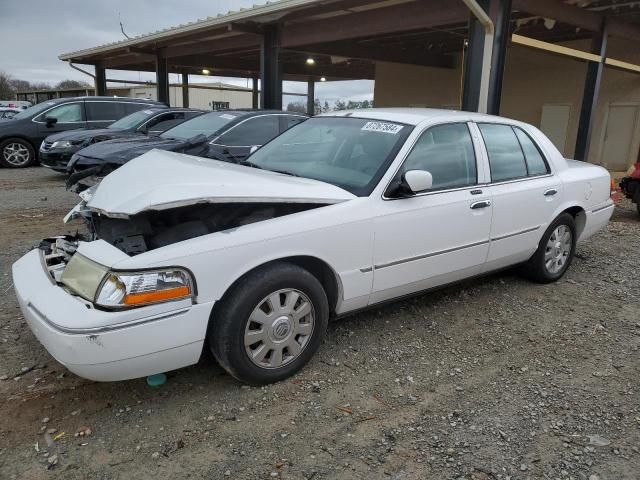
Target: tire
{"points": [[16, 153], [260, 321], [555, 252]]}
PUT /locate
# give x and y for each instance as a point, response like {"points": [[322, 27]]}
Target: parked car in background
{"points": [[57, 149], [224, 135], [344, 211], [8, 112], [21, 137], [18, 104], [630, 185]]}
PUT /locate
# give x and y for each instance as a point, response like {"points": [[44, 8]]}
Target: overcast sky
{"points": [[34, 32]]}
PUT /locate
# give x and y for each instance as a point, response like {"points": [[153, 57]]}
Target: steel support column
{"points": [[101, 81], [162, 79], [311, 97], [271, 69], [255, 99], [590, 96], [185, 90], [473, 62], [502, 19]]}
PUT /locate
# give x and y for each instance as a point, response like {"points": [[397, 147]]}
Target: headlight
{"points": [[62, 144], [131, 289]]}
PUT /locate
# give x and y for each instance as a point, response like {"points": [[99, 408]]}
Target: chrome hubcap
{"points": [[279, 328], [558, 249], [16, 154]]}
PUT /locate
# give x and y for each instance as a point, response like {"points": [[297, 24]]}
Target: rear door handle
{"points": [[480, 204], [551, 192]]}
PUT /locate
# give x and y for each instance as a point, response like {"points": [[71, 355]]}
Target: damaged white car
{"points": [[339, 213]]}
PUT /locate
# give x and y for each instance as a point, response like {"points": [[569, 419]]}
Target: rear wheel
{"points": [[270, 324], [16, 153], [555, 251]]}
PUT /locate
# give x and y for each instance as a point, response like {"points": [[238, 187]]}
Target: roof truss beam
{"points": [[411, 56], [579, 17], [397, 18]]}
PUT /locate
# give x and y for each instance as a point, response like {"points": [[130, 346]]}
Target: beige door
{"points": [[619, 146], [555, 124]]}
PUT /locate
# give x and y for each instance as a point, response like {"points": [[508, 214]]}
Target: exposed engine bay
{"points": [[155, 229]]}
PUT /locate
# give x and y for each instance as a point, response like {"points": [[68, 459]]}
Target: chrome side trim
{"points": [[603, 208], [106, 328], [520, 232], [366, 269], [431, 254]]}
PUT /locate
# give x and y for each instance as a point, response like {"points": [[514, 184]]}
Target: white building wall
{"points": [[532, 79], [198, 97]]}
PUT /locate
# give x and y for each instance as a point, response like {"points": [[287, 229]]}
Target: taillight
{"points": [[615, 192]]}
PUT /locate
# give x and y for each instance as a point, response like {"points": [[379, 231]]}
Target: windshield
{"points": [[32, 111], [207, 125], [131, 121], [352, 153]]}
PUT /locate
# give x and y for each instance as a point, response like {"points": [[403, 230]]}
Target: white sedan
{"points": [[340, 213]]}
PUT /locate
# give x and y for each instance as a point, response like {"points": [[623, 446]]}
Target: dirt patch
{"points": [[496, 378]]}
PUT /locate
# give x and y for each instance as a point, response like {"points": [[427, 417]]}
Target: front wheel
{"points": [[270, 324], [555, 251], [16, 153]]}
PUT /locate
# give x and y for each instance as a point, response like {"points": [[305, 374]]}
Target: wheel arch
{"points": [[36, 149], [326, 275], [23, 137], [579, 216]]}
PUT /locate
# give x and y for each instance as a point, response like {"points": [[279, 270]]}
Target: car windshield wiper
{"points": [[247, 163], [285, 172]]}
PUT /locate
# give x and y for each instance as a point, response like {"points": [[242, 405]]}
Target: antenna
{"points": [[122, 26]]}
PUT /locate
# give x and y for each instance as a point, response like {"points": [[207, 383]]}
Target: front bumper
{"points": [[115, 345], [55, 160]]}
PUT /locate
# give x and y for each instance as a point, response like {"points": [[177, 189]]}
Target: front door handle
{"points": [[551, 192], [480, 204]]}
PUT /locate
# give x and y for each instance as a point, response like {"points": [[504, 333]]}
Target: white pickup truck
{"points": [[339, 213]]}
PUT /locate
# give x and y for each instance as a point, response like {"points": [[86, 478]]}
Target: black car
{"points": [[226, 135], [57, 149], [21, 136]]}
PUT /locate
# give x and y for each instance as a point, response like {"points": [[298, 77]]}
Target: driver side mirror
{"points": [[417, 180], [51, 121]]}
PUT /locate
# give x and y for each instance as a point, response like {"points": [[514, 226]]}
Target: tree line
{"points": [[301, 107], [9, 86]]}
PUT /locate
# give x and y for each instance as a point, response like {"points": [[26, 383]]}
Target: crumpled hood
{"points": [[120, 151], [160, 180], [84, 134]]}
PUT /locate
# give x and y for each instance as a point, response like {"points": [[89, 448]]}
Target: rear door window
{"points": [[536, 164], [105, 111], [131, 107], [506, 159], [255, 131], [291, 120], [165, 121]]}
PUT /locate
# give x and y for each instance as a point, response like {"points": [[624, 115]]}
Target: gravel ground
{"points": [[496, 378]]}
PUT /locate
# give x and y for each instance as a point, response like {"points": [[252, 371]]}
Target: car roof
{"points": [[250, 112], [103, 99], [412, 116]]}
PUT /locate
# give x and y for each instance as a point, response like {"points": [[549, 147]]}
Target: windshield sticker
{"points": [[383, 127], [227, 116]]}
